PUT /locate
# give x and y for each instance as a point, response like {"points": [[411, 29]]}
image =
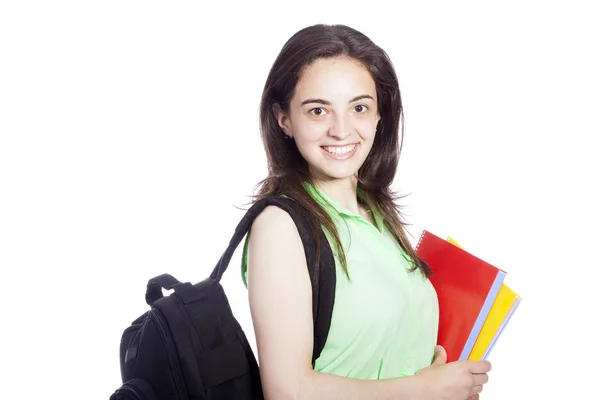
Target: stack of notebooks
{"points": [[475, 303]]}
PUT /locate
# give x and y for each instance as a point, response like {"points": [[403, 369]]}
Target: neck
{"points": [[341, 190]]}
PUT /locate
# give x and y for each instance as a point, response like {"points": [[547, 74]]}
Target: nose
{"points": [[341, 127]]}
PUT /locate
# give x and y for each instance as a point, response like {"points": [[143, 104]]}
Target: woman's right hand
{"points": [[458, 380]]}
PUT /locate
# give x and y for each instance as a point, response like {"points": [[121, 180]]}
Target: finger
{"points": [[480, 379], [480, 367], [439, 355], [475, 390]]}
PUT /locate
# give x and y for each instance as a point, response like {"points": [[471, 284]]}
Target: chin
{"points": [[334, 173]]}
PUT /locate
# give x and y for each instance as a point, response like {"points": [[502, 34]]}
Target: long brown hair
{"points": [[287, 169]]}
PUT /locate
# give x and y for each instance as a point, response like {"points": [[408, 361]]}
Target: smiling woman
{"points": [[331, 114], [338, 124]]}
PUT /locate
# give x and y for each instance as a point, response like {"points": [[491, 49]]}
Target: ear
{"points": [[282, 119]]}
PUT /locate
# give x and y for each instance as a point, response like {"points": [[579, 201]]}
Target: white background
{"points": [[129, 135]]}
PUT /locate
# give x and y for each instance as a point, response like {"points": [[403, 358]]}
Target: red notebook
{"points": [[466, 287]]}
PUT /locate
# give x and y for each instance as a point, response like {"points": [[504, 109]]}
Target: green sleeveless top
{"points": [[385, 318]]}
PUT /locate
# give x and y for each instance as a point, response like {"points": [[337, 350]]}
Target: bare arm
{"points": [[280, 298]]}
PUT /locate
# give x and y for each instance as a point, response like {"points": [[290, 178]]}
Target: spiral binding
{"points": [[420, 239]]}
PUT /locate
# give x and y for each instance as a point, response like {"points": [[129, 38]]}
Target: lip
{"points": [[341, 156]]}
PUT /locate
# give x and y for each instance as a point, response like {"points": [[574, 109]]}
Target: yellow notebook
{"points": [[502, 309]]}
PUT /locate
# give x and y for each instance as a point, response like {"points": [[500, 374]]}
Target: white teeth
{"points": [[340, 150]]}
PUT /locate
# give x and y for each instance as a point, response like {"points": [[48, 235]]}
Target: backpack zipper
{"points": [[174, 363]]}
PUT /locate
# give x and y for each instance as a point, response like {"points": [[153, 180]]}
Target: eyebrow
{"points": [[327, 103]]}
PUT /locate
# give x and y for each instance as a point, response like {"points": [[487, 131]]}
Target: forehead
{"points": [[332, 79]]}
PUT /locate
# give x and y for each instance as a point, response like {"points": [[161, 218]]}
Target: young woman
{"points": [[330, 118]]}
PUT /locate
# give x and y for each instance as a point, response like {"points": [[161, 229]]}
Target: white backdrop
{"points": [[129, 135]]}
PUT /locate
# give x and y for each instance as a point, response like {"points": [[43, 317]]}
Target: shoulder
{"points": [[273, 223], [273, 216], [274, 237]]}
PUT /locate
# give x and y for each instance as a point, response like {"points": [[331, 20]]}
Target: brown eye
{"points": [[360, 108], [317, 111]]}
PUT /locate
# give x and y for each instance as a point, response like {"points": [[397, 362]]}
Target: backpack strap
{"points": [[322, 275]]}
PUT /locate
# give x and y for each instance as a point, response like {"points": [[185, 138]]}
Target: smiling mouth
{"points": [[339, 150]]}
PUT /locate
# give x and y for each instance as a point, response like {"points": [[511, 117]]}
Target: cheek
{"points": [[366, 129], [309, 133]]}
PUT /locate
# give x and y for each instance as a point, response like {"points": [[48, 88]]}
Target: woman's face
{"points": [[332, 117]]}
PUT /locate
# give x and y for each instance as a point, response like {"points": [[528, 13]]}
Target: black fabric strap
{"points": [[288, 205], [322, 275]]}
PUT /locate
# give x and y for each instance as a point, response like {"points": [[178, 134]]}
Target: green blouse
{"points": [[385, 318]]}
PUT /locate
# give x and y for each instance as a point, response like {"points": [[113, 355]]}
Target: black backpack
{"points": [[189, 346]]}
